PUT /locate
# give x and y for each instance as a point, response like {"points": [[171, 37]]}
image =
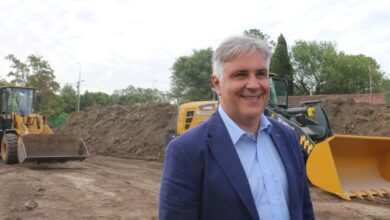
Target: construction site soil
{"points": [[136, 132], [121, 179]]}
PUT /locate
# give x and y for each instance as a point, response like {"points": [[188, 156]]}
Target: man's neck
{"points": [[250, 125], [252, 128]]}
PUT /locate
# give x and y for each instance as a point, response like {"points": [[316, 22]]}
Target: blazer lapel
{"points": [[282, 148], [226, 156]]}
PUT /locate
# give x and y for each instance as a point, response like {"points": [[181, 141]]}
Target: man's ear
{"points": [[216, 84]]}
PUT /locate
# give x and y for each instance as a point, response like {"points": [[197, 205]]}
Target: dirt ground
{"points": [[103, 187], [112, 184], [97, 188]]}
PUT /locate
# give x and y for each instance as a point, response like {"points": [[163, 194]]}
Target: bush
{"points": [[55, 121]]}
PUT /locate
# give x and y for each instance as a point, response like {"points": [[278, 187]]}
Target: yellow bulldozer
{"points": [[25, 134], [345, 165]]}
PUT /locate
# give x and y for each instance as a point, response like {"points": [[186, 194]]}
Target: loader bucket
{"points": [[351, 166], [51, 148]]}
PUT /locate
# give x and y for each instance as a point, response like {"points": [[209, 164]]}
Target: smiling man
{"points": [[239, 164]]}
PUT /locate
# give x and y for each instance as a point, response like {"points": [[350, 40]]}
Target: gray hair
{"points": [[234, 46]]}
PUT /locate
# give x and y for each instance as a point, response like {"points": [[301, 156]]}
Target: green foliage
{"points": [[320, 69], [132, 95], [191, 77], [280, 63], [42, 75], [51, 105], [69, 97], [313, 62], [55, 121], [352, 73], [3, 82], [257, 33], [94, 98], [20, 72]]}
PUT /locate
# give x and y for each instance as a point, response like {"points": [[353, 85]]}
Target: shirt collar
{"points": [[235, 132]]}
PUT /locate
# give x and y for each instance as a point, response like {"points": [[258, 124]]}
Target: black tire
{"points": [[9, 148]]}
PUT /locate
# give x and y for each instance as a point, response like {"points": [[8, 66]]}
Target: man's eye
{"points": [[240, 74], [261, 73]]}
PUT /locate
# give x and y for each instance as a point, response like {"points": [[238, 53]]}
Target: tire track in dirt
{"points": [[98, 188], [113, 188]]}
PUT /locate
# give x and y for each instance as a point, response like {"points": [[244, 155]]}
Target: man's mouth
{"points": [[251, 97]]}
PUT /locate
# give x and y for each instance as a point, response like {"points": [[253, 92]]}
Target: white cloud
{"points": [[119, 43]]}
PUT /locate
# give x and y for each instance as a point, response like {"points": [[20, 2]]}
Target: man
{"points": [[239, 164]]}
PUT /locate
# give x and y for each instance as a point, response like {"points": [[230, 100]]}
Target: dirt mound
{"points": [[134, 131], [348, 117], [137, 131]]}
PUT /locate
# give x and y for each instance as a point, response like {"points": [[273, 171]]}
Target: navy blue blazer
{"points": [[203, 177]]}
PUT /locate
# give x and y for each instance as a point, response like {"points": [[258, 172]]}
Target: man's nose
{"points": [[253, 82]]}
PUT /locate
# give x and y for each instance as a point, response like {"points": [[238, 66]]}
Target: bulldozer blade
{"points": [[51, 148], [351, 166]]}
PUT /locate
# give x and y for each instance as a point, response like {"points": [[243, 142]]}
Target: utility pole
{"points": [[78, 89]]}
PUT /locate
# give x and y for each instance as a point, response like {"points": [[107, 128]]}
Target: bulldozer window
{"points": [[272, 97], [21, 101], [3, 102], [278, 94]]}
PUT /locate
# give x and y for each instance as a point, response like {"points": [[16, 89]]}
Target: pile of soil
{"points": [[134, 132], [348, 117], [137, 131]]}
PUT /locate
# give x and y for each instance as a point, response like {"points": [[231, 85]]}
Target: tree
{"points": [[94, 98], [190, 80], [351, 74], [132, 95], [69, 97], [36, 72], [320, 69], [312, 62], [280, 63], [51, 105], [42, 75], [3, 82], [257, 33], [20, 73]]}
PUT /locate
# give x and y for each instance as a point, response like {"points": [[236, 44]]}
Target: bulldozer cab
{"points": [[17, 100], [193, 113], [278, 95], [26, 135]]}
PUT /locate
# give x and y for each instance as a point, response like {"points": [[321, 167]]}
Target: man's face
{"points": [[244, 86]]}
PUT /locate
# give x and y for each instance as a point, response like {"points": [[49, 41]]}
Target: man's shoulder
{"points": [[195, 135], [280, 127], [192, 144]]}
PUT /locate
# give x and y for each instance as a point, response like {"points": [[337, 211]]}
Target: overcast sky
{"points": [[135, 42]]}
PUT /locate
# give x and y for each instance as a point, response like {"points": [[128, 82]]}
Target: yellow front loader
{"points": [[345, 165], [26, 136]]}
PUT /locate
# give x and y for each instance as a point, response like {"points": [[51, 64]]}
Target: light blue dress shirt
{"points": [[263, 167]]}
